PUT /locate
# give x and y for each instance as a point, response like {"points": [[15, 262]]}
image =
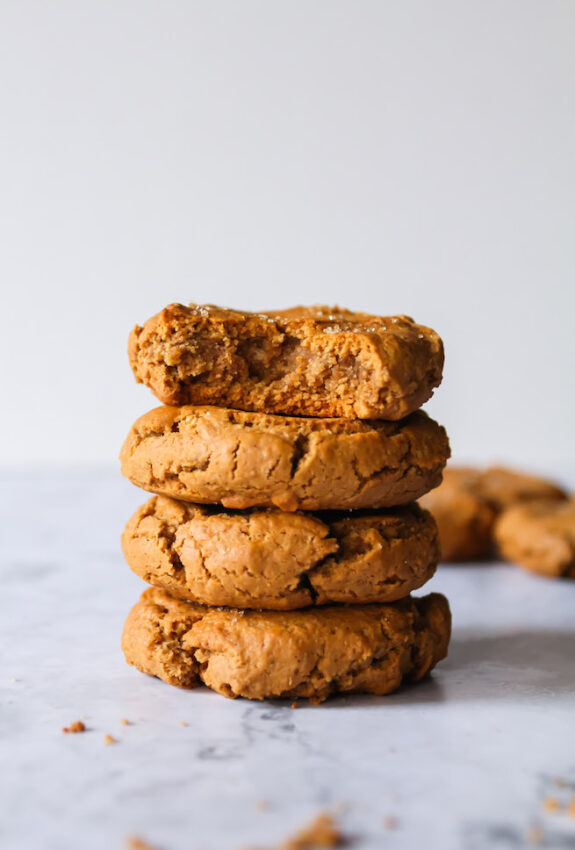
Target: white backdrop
{"points": [[392, 156]]}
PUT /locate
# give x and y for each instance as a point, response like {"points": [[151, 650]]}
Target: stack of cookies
{"points": [[284, 541]]}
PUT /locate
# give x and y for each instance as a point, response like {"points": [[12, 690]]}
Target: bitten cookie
{"points": [[540, 536], [309, 361], [311, 653], [468, 501], [212, 455], [276, 560]]}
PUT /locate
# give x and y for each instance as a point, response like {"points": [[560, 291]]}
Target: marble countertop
{"points": [[467, 760]]}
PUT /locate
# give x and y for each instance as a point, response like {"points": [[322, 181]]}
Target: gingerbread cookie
{"points": [[311, 653], [540, 536], [308, 361], [210, 455], [276, 560]]}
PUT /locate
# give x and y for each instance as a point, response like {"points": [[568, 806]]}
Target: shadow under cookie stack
{"points": [[284, 541]]}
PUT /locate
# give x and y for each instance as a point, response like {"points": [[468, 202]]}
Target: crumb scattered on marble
{"points": [[126, 722], [571, 808], [550, 804], [262, 805], [183, 723], [136, 843], [321, 832], [534, 835], [560, 782], [390, 822], [76, 726], [12, 678], [109, 739], [294, 705]]}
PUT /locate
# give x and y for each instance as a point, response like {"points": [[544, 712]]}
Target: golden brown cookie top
{"points": [[173, 418], [276, 560], [210, 454], [310, 361], [310, 319]]}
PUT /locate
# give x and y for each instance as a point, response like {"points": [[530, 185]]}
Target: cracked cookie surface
{"points": [[539, 536], [308, 361], [264, 654], [277, 560], [212, 455]]}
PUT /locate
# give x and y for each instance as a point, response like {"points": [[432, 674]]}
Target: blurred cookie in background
{"points": [[469, 500], [464, 519], [539, 536], [502, 487]]}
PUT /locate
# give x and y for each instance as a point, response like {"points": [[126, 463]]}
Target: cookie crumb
{"points": [[390, 822], [125, 722], [315, 701], [183, 723], [294, 705], [135, 843], [76, 726], [534, 835], [571, 808], [262, 805], [12, 678], [109, 739], [550, 804], [560, 782], [321, 832]]}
